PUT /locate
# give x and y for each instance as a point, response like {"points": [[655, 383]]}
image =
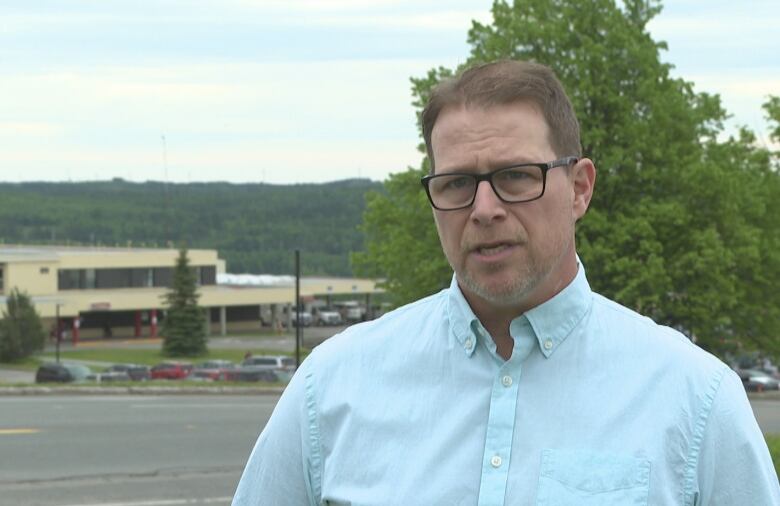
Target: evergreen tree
{"points": [[21, 330], [183, 329]]}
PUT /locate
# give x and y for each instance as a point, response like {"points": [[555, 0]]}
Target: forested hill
{"points": [[255, 227]]}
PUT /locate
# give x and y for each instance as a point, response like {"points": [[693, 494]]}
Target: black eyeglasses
{"points": [[518, 183]]}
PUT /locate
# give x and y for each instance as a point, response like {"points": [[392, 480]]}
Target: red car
{"points": [[171, 370], [213, 370]]}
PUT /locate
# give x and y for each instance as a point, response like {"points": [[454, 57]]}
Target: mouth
{"points": [[493, 249]]}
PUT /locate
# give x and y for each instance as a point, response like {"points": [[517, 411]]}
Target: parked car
{"points": [[351, 311], [171, 370], [305, 318], [136, 372], [758, 381], [109, 376], [328, 317], [62, 373], [213, 370], [264, 368]]}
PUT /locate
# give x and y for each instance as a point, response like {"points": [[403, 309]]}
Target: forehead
{"points": [[488, 137]]}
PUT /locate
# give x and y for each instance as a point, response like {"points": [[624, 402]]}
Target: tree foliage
{"points": [[255, 227], [184, 332], [682, 227], [21, 330]]}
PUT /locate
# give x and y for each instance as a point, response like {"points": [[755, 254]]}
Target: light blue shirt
{"points": [[596, 406]]}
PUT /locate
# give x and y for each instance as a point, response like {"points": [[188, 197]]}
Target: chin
{"points": [[505, 292]]}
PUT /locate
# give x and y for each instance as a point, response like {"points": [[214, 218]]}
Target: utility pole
{"points": [[59, 333], [166, 197], [298, 336]]}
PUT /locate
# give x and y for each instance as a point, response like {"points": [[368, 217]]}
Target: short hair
{"points": [[503, 82]]}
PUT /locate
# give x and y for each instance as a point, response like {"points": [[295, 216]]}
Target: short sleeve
{"points": [[278, 470], [734, 465]]}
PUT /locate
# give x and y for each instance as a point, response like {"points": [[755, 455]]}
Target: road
{"points": [[142, 450], [126, 450]]}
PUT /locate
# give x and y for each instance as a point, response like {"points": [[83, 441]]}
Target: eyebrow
{"points": [[502, 164]]}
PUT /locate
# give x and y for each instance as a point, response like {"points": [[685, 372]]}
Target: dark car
{"points": [[136, 372], [171, 370], [265, 368], [62, 373]]}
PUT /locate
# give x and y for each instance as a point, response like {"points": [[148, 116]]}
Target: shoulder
{"points": [[395, 330], [657, 345]]}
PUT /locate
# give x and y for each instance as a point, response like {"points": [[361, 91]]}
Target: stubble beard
{"points": [[522, 277], [519, 283]]}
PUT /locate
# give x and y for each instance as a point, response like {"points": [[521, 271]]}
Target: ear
{"points": [[583, 177]]}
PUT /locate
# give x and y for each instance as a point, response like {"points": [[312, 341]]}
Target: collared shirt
{"points": [[597, 405]]}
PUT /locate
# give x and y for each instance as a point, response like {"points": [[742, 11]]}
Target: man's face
{"points": [[506, 254]]}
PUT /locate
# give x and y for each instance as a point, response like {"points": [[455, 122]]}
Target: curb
{"points": [[765, 395], [90, 390]]}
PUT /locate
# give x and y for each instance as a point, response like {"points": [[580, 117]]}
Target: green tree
{"points": [[184, 333], [21, 330], [679, 227]]}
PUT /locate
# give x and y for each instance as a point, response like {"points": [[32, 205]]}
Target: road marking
{"points": [[10, 432], [161, 502], [206, 406]]}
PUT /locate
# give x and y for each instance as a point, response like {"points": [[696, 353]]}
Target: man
{"points": [[517, 385]]}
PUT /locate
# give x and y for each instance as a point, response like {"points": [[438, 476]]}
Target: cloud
{"points": [[22, 128]]}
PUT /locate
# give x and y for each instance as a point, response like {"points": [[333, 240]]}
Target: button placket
{"points": [[500, 433]]}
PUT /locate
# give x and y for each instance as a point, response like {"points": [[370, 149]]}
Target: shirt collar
{"points": [[552, 321], [464, 324]]}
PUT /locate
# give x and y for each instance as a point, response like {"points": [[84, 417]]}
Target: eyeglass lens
{"points": [[513, 184]]}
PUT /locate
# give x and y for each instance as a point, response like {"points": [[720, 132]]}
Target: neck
{"points": [[496, 318]]}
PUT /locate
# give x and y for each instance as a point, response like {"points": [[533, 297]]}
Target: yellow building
{"points": [[105, 292]]}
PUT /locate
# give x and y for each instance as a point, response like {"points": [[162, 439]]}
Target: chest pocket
{"points": [[581, 478]]}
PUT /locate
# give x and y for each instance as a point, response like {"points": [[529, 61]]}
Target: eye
{"points": [[519, 174], [457, 182]]}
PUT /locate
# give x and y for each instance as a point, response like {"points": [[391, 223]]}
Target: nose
{"points": [[487, 207]]}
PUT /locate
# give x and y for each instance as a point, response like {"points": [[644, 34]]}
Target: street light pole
{"points": [[59, 333], [297, 308]]}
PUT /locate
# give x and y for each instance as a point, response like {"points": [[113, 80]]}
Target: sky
{"points": [[285, 91]]}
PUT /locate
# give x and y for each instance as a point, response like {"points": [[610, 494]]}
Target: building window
{"points": [[163, 276], [44, 270], [141, 277], [208, 275], [113, 278], [68, 279]]}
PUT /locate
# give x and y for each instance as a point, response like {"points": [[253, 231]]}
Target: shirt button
{"points": [[506, 381], [495, 461], [548, 344], [468, 343]]}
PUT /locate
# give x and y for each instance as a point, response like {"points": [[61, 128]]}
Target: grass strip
{"points": [[773, 442]]}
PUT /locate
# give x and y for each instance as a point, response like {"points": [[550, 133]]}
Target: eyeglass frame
{"points": [[488, 176]]}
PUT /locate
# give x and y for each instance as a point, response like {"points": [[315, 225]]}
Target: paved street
{"points": [[85, 450]]}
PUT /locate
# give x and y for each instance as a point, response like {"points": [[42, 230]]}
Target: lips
{"points": [[490, 249]]}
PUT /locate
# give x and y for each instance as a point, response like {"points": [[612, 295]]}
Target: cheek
{"points": [[449, 232]]}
